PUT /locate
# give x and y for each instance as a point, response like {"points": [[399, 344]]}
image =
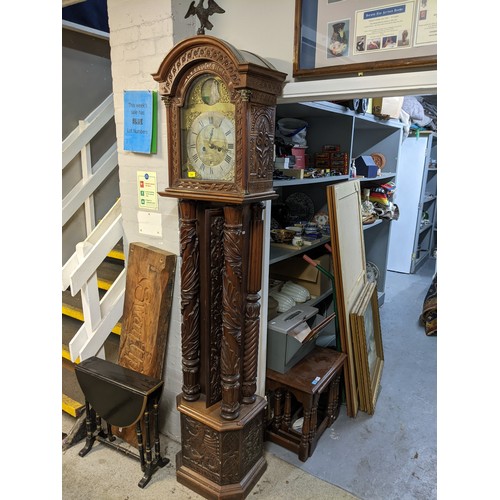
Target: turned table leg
{"points": [[288, 411], [89, 425], [314, 423], [277, 410], [304, 440]]}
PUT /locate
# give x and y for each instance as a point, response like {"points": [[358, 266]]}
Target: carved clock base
{"points": [[220, 459]]}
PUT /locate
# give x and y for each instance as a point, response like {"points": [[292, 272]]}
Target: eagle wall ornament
{"points": [[203, 14]]}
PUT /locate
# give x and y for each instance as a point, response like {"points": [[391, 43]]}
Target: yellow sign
{"points": [[147, 190]]}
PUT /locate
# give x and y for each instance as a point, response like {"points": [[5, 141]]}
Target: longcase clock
{"points": [[220, 106]]}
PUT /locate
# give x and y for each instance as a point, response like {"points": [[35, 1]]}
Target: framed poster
{"points": [[355, 37]]}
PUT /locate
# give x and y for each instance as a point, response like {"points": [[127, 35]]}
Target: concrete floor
{"points": [[105, 474], [390, 455]]}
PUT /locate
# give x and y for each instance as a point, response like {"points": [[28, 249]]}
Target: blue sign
{"points": [[139, 121]]}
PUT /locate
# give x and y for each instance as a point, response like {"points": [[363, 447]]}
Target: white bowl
{"points": [[296, 292], [284, 301]]}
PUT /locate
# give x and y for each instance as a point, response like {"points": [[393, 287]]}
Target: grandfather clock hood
{"points": [[254, 85]]}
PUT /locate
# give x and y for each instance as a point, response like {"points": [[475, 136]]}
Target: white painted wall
{"points": [[141, 34]]}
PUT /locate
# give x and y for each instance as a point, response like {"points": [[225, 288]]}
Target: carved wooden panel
{"points": [[252, 304], [146, 311], [146, 314], [232, 323], [222, 457], [261, 147], [211, 223], [190, 300]]}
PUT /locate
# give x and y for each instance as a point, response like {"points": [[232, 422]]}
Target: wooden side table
{"points": [[122, 397], [310, 390]]}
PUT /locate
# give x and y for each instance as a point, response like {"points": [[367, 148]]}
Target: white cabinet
{"points": [[413, 237], [357, 134]]}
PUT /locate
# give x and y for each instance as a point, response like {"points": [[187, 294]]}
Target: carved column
{"points": [[190, 301], [232, 321], [252, 312]]}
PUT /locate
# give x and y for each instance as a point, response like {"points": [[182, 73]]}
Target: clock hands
{"points": [[211, 145]]}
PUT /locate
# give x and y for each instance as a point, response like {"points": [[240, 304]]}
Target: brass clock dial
{"points": [[208, 131], [210, 147]]}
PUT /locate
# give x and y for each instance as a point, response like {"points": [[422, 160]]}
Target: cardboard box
{"points": [[296, 269], [387, 106], [295, 173]]}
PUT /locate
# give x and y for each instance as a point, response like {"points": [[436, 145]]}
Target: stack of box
{"points": [[332, 158]]}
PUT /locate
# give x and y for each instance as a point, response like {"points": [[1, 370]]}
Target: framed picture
{"points": [[355, 37], [349, 271], [369, 351]]}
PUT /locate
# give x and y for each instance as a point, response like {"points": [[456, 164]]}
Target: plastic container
{"points": [[300, 156]]}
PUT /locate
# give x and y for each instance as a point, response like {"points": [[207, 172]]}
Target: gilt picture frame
{"points": [[349, 271], [348, 38], [365, 321]]}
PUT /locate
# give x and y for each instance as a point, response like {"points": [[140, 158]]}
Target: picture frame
{"points": [[355, 38], [368, 346], [349, 271]]}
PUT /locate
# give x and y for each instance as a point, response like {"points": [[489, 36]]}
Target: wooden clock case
{"points": [[221, 236]]}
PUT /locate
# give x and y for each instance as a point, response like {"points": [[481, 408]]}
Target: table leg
{"points": [[304, 440], [147, 469], [140, 444], [277, 410], [333, 400], [288, 411], [156, 432], [90, 427], [111, 436], [314, 423], [159, 460]]}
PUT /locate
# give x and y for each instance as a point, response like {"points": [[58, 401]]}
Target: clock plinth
{"points": [[220, 106], [219, 458]]}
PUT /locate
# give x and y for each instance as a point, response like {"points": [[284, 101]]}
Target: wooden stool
{"points": [[121, 397], [316, 375]]}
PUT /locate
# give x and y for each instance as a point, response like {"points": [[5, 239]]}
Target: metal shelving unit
{"points": [[357, 134], [414, 234]]}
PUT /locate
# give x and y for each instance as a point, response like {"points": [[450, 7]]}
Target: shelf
{"points": [[384, 177], [280, 251], [316, 300], [317, 180], [424, 228], [355, 134], [331, 179], [424, 254], [317, 109]]}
